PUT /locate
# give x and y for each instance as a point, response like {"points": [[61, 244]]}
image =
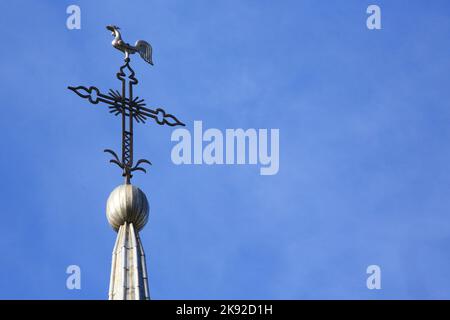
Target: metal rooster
{"points": [[142, 47]]}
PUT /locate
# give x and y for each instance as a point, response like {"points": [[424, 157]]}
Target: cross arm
{"points": [[139, 111], [159, 115], [94, 95]]}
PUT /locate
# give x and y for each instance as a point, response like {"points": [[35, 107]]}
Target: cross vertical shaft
{"points": [[126, 75]]}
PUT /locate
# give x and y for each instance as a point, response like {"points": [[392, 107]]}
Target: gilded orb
{"points": [[127, 203]]}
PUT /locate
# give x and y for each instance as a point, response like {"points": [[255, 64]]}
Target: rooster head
{"points": [[113, 29]]}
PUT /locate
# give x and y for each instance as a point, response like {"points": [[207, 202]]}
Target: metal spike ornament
{"points": [[123, 102]]}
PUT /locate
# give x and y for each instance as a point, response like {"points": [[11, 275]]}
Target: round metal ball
{"points": [[127, 203]]}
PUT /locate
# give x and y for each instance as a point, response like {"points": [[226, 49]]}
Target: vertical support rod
{"points": [[124, 116], [130, 116]]}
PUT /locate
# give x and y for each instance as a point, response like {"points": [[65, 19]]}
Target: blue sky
{"points": [[364, 148]]}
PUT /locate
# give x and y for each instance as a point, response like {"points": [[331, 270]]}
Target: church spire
{"points": [[128, 269], [127, 206]]}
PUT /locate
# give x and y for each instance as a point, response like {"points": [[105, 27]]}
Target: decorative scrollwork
{"points": [[137, 167], [116, 158]]}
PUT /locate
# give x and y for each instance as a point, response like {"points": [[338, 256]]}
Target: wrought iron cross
{"points": [[131, 108]]}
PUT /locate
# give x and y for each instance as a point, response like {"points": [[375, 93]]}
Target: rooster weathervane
{"points": [[143, 47], [124, 103]]}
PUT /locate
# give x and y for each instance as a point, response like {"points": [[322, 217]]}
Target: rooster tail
{"points": [[145, 50]]}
